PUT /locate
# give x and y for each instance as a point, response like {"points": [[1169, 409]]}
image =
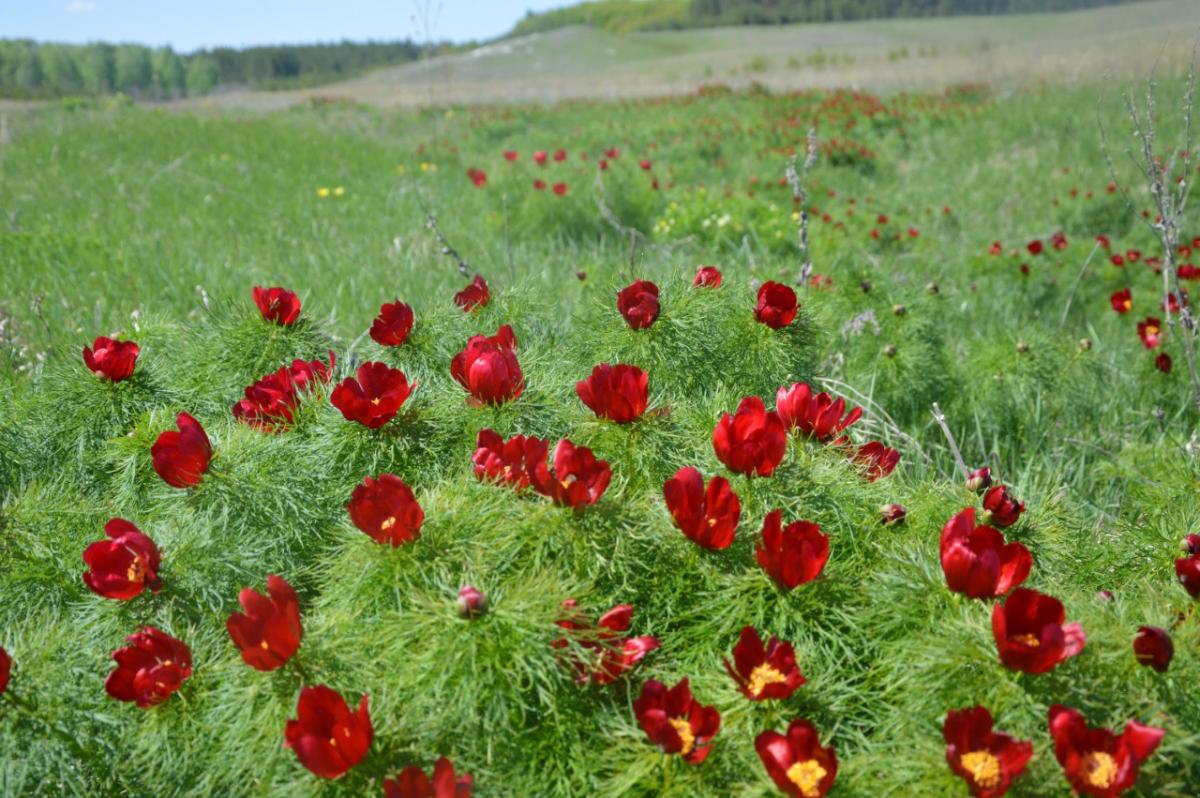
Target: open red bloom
{"points": [[112, 360], [877, 460], [326, 735], [306, 373], [1095, 761], [181, 458], [1030, 632], [1002, 510], [1122, 301], [5, 669], [578, 479], [277, 304], [124, 565], [751, 441], [393, 324], [988, 761], [412, 782], [791, 555], [707, 277], [507, 462], [817, 415], [149, 670], [1150, 331], [487, 368], [976, 560], [270, 403], [638, 303], [676, 722], [708, 516], [796, 762], [618, 393], [764, 672], [1153, 648], [1187, 569], [386, 510], [612, 654], [375, 397], [776, 305], [268, 632], [475, 295]]}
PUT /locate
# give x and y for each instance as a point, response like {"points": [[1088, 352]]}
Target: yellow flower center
{"points": [[807, 776], [684, 729], [1100, 769], [388, 523], [712, 522], [263, 645], [1029, 640], [762, 676], [984, 768], [376, 400], [137, 570]]}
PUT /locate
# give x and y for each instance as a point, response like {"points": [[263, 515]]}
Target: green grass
{"points": [[156, 225]]}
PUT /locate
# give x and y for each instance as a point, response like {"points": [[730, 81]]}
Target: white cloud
{"points": [[80, 7]]}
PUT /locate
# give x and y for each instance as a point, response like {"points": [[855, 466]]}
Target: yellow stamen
{"points": [[376, 400], [1100, 769], [712, 522], [263, 645], [684, 729], [984, 768], [388, 523], [137, 570], [762, 676], [807, 776], [1029, 640]]}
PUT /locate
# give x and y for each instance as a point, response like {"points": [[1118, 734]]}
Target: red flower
{"points": [[791, 555], [326, 735], [676, 722], [751, 441], [559, 189], [1122, 300], [1095, 761], [708, 516], [646, 165], [112, 360], [707, 277], [1153, 647], [539, 157], [393, 324], [612, 153], [818, 416], [618, 393], [1030, 632], [477, 176], [1034, 247], [412, 782], [1162, 362], [150, 670], [268, 632], [776, 305], [979, 479], [976, 560], [507, 462], [796, 762], [487, 368], [305, 373], [1117, 259], [638, 303], [181, 458], [764, 672], [386, 510], [1150, 331], [890, 514], [270, 402], [123, 566], [1187, 569], [539, 185], [1002, 510], [5, 669], [1133, 255], [475, 295], [986, 760], [878, 460], [1059, 240], [277, 304], [612, 654], [996, 248], [375, 397], [510, 155], [560, 155], [578, 479]]}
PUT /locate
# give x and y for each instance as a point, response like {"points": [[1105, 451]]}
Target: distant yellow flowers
{"points": [[325, 191]]}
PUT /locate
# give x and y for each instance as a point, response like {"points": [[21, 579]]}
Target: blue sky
{"points": [[188, 24]]}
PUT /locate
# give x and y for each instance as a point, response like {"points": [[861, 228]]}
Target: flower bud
{"points": [[899, 310], [891, 514], [1085, 344], [932, 288], [979, 479], [889, 350], [1022, 347], [470, 603]]}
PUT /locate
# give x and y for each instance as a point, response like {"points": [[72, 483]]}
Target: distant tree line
{"points": [[30, 69]]}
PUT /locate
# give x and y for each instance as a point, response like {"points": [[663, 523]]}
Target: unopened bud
{"points": [[892, 514], [1085, 344], [1022, 347], [471, 603], [889, 350], [1191, 544], [979, 479], [865, 285], [899, 310], [932, 288]]}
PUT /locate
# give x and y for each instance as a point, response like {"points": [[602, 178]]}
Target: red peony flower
{"points": [[707, 277], [638, 303], [326, 735], [646, 165], [976, 560], [877, 460], [1035, 247], [277, 304], [1002, 510], [764, 672], [475, 295], [777, 305], [539, 185], [487, 368], [559, 189], [612, 153], [578, 479], [1059, 241], [182, 457], [560, 155], [1153, 647], [124, 565], [890, 514], [1030, 632], [149, 670], [1163, 362], [709, 517], [539, 157], [1095, 761], [1150, 331], [611, 653], [477, 176], [412, 782], [304, 374], [979, 479], [393, 324], [996, 248], [510, 155], [618, 393], [268, 632], [1187, 569], [386, 510], [796, 762], [751, 441], [270, 403], [1122, 301], [111, 360], [375, 397], [676, 722], [818, 415], [5, 669], [791, 555], [507, 462], [986, 760]]}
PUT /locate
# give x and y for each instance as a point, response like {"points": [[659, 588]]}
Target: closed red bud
{"points": [[777, 305], [111, 360], [892, 514], [487, 368], [638, 304], [1002, 509], [471, 603], [182, 457], [1153, 647], [979, 479]]}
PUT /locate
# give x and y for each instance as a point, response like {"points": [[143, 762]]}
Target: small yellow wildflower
{"points": [[322, 192], [339, 191]]}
